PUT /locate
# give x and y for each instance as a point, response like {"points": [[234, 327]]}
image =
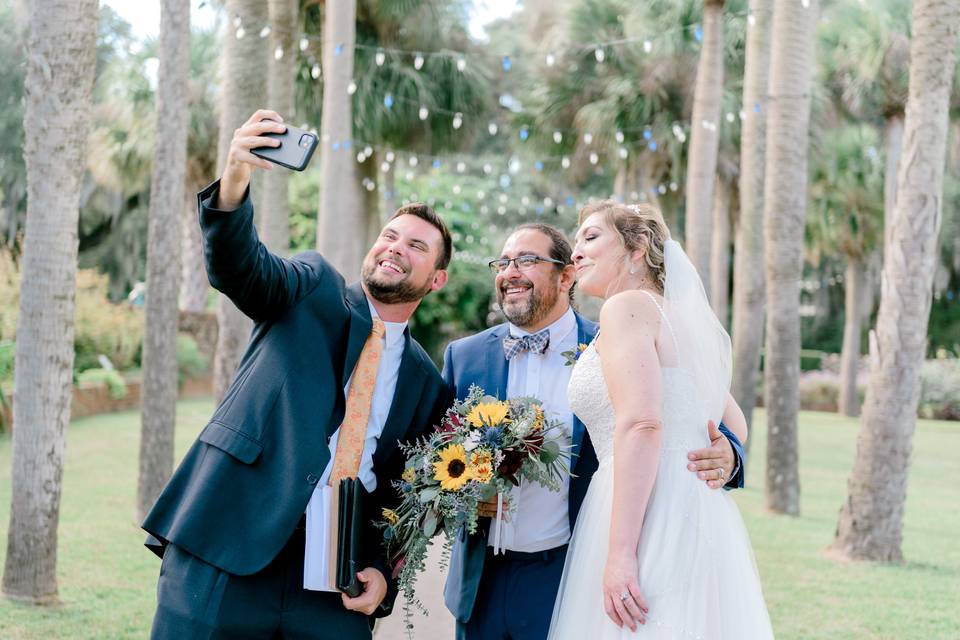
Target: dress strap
{"points": [[676, 345]]}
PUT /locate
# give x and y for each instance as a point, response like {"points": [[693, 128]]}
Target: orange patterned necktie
{"points": [[353, 430]]}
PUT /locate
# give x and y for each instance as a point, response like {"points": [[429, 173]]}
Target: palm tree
{"points": [[60, 65], [285, 27], [785, 194], [847, 192], [159, 396], [723, 193], [341, 223], [244, 91], [749, 290], [870, 525], [705, 141]]}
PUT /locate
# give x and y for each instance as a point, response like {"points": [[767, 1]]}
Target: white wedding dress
{"points": [[697, 570]]}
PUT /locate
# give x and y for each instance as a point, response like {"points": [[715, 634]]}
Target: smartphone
{"points": [[295, 150]]}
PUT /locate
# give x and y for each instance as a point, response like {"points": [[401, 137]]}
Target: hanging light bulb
{"points": [[456, 189], [647, 46], [557, 137], [390, 156], [461, 167], [587, 138], [315, 71], [418, 62], [424, 113], [368, 151], [599, 54], [619, 137], [413, 161], [380, 58], [361, 157], [503, 198], [751, 19], [594, 158], [278, 53], [265, 31], [487, 169], [385, 167], [457, 120], [352, 88], [565, 162], [551, 59], [623, 153], [492, 128], [240, 33], [461, 64], [304, 43]]}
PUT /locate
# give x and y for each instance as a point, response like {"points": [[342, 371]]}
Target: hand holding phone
{"points": [[294, 151]]}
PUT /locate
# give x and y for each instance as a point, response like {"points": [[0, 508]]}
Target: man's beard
{"points": [[400, 292], [532, 310]]}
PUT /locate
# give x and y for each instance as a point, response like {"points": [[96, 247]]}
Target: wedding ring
{"points": [[722, 474], [624, 595]]}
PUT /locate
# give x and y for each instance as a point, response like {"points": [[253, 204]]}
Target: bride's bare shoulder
{"points": [[628, 310]]}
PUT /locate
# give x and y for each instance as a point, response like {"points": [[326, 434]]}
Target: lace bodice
{"points": [[684, 421]]}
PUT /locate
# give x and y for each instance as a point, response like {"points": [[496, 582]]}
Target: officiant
{"points": [[330, 383]]}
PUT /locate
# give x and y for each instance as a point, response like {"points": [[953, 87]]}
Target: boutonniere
{"points": [[573, 355]]}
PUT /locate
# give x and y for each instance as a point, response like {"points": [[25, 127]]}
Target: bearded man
{"points": [[330, 383]]}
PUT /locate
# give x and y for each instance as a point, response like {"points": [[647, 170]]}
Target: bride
{"points": [[655, 552]]}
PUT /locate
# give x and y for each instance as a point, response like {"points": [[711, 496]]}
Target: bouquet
{"points": [[482, 447]]}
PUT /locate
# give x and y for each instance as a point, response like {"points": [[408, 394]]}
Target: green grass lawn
{"points": [[107, 578]]}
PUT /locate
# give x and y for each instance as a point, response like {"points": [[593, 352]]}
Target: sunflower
{"points": [[409, 475], [481, 456], [488, 414], [452, 470], [390, 516], [482, 472], [538, 418]]}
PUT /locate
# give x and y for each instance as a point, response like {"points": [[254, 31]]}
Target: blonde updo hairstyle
{"points": [[639, 226]]}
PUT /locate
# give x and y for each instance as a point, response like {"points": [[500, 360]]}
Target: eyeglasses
{"points": [[524, 263]]}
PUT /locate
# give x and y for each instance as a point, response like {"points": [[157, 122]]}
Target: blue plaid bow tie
{"points": [[537, 343]]}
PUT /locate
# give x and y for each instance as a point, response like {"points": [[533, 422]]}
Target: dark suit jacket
{"points": [[244, 484], [479, 360]]}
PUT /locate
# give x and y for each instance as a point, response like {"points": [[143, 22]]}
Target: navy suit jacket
{"points": [[479, 360], [242, 487]]}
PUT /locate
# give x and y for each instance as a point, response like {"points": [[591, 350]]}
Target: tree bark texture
{"points": [[159, 397], [194, 284], [282, 54], [785, 199], [720, 251], [61, 59], [870, 525], [244, 91], [705, 142], [749, 275], [341, 221], [854, 284], [893, 138]]}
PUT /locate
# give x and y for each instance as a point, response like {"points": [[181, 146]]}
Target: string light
{"points": [[587, 138], [240, 33], [380, 58], [315, 71], [551, 59], [492, 128], [278, 53], [461, 64], [352, 88], [647, 46], [304, 43], [265, 31], [457, 120], [424, 113], [557, 137], [418, 62], [599, 54]]}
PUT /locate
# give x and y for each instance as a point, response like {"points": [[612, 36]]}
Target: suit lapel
{"points": [[410, 379], [584, 335], [360, 326]]}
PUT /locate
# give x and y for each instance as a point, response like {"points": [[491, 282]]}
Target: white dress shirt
{"points": [[316, 553], [539, 518]]}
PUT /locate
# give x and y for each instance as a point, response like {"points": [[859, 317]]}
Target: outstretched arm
{"points": [[631, 368], [261, 284]]}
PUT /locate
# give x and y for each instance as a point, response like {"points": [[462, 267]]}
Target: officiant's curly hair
{"points": [[560, 248], [639, 226], [427, 214]]}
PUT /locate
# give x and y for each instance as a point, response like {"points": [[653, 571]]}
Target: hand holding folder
{"points": [[348, 541]]}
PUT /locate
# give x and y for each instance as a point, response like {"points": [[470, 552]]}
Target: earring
{"points": [[633, 269]]}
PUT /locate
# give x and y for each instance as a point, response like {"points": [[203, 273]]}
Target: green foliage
{"points": [[109, 377], [191, 362], [113, 330], [940, 389], [13, 172]]}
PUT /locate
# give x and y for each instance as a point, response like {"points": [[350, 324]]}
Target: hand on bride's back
{"points": [[622, 599]]}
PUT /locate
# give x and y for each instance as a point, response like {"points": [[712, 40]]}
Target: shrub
{"points": [[191, 362], [110, 377], [940, 389]]}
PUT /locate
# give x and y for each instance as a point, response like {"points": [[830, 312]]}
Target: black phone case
{"points": [[289, 154]]}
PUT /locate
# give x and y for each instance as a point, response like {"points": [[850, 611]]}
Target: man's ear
{"points": [[439, 280], [568, 277]]}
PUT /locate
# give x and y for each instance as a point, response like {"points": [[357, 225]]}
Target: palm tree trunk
{"points": [[749, 277], [283, 57], [244, 91], [367, 171], [60, 64], [341, 222], [720, 251], [705, 141], [193, 272], [389, 188], [785, 199], [870, 525], [894, 141], [159, 397], [854, 284]]}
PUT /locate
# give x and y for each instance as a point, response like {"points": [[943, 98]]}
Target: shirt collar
{"points": [[393, 331], [559, 330]]}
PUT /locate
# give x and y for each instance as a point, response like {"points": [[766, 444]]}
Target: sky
{"points": [[144, 15]]}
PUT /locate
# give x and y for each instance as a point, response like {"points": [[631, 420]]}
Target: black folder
{"points": [[350, 536]]}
